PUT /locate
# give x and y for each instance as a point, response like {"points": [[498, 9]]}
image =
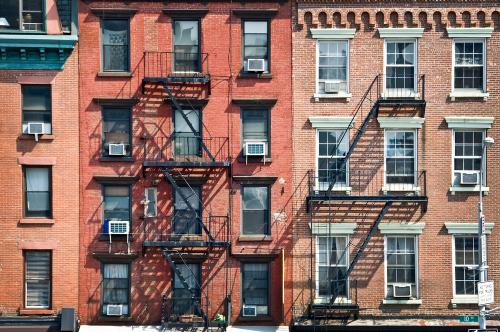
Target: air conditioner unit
{"points": [[116, 149], [333, 87], [35, 128], [249, 311], [255, 149], [402, 290], [119, 227], [114, 310], [469, 177], [256, 65]]}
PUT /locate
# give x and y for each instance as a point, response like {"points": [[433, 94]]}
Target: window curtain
{"points": [[255, 284], [116, 285], [37, 188]]}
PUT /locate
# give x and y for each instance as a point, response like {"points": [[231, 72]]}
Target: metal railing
{"points": [[183, 309], [409, 87], [175, 64]]}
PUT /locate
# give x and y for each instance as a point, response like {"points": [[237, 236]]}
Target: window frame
{"points": [[189, 108], [129, 293], [20, 30], [268, 231], [317, 266], [25, 288], [187, 19], [101, 43], [250, 19], [155, 193], [198, 277], [415, 157], [269, 285], [317, 81], [417, 258], [453, 59], [198, 228], [103, 187], [103, 136], [454, 265], [484, 162], [26, 214], [23, 111], [347, 135], [268, 125], [415, 65]]}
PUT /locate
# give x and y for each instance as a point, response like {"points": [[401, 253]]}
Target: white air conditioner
{"points": [[114, 310], [116, 149], [255, 149], [334, 87], [35, 128], [119, 227], [401, 290], [256, 65], [471, 177], [249, 311]]}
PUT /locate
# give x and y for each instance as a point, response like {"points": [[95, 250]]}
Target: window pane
{"points": [[255, 286], [115, 286], [115, 36], [255, 27], [255, 210], [37, 187], [36, 97], [116, 203], [255, 125], [116, 129], [186, 32], [37, 278]]}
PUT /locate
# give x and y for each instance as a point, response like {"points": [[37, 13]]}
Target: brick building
{"points": [[39, 145], [185, 152], [391, 104]]}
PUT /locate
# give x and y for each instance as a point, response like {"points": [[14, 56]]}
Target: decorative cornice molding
{"points": [[466, 228], [472, 122], [255, 102], [400, 122], [400, 32], [331, 122], [469, 32], [333, 33], [335, 228], [255, 13], [401, 228], [185, 12]]}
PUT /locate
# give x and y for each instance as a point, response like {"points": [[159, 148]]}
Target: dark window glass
{"points": [[255, 286], [37, 104], [400, 66], [255, 125], [37, 279], [116, 202], [24, 15], [37, 189], [331, 152], [115, 287], [183, 301], [115, 48], [185, 221], [400, 157], [468, 151], [256, 42], [187, 142], [332, 263], [116, 129], [469, 65], [400, 264], [466, 264], [186, 46], [255, 202]]}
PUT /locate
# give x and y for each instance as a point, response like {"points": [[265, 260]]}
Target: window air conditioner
{"points": [[35, 128], [257, 149], [116, 149], [114, 310], [119, 227], [249, 311], [402, 290], [469, 177], [256, 65], [333, 87]]}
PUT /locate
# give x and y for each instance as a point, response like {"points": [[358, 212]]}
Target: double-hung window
{"points": [[400, 158], [255, 210], [116, 203], [331, 267], [37, 279], [23, 15], [186, 46], [466, 262], [333, 67], [467, 157], [255, 287], [255, 128], [401, 267], [150, 206], [400, 67], [115, 38], [332, 147], [185, 217], [183, 300], [469, 66], [37, 192], [115, 289], [187, 142], [255, 45], [116, 130], [37, 105]]}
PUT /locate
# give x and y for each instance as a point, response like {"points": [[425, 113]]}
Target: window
{"points": [[255, 42], [37, 104], [186, 46], [401, 266], [116, 204], [116, 130], [469, 68], [255, 284], [37, 192], [183, 302], [331, 267], [115, 287], [467, 155], [255, 201], [255, 125], [115, 45], [150, 208], [400, 157], [184, 220], [331, 152], [24, 15], [37, 279], [332, 65], [400, 70], [187, 142], [466, 264]]}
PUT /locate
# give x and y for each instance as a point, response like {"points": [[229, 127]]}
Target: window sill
{"points": [[36, 221], [400, 94], [114, 74], [400, 188], [117, 159], [469, 94], [406, 302], [42, 137], [27, 312], [255, 319], [255, 75], [342, 95], [347, 190], [465, 300], [254, 238], [455, 189], [115, 237], [254, 160]]}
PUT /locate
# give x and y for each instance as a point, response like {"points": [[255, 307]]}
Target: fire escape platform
{"points": [[180, 78], [178, 244], [173, 163], [381, 198]]}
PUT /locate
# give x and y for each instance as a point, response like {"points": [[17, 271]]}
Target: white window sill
{"points": [[472, 299], [347, 190], [469, 94], [454, 189], [400, 188], [340, 95], [408, 302]]}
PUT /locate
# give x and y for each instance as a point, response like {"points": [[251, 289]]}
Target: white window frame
{"points": [[316, 268], [146, 202], [453, 255], [402, 186], [388, 93], [467, 40], [417, 281], [342, 94], [484, 162], [318, 186]]}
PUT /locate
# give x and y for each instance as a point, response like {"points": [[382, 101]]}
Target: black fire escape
{"points": [[180, 160]]}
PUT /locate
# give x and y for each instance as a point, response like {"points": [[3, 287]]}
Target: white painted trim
{"points": [[468, 94], [469, 122], [341, 95], [400, 32], [401, 228], [331, 122], [333, 33], [341, 228], [407, 302], [472, 189], [464, 299], [400, 122], [346, 186], [400, 187], [469, 32], [415, 157], [387, 93], [465, 93], [466, 228]]}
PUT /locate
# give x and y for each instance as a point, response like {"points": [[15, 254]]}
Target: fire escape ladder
{"points": [[170, 178]]}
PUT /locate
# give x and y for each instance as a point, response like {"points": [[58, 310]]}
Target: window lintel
{"points": [[401, 228], [400, 32], [466, 228], [341, 228], [331, 122], [469, 32], [333, 33]]}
